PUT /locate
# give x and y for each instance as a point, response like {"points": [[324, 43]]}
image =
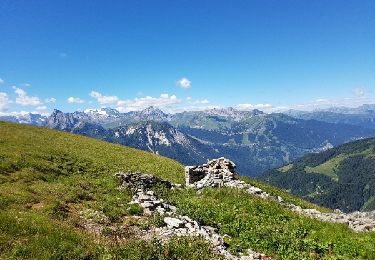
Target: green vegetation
{"points": [[286, 168], [342, 177], [49, 180], [328, 168], [274, 191], [252, 222]]}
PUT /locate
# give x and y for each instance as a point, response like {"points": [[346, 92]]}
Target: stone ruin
{"points": [[140, 181], [214, 173]]}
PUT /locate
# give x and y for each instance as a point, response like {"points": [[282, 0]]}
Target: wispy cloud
{"points": [[4, 102], [50, 100], [75, 100], [1, 81], [103, 100], [194, 105], [25, 100], [41, 108], [359, 92], [202, 102], [184, 83], [163, 101], [248, 106]]}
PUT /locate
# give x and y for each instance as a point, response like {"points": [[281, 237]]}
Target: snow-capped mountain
{"points": [[25, 118], [100, 116]]}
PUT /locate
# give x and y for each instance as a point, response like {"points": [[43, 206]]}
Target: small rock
{"points": [[173, 222]]}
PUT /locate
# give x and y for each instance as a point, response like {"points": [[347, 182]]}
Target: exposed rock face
{"points": [[61, 121], [221, 173]]}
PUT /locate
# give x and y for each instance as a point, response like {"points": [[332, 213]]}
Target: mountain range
{"points": [[363, 116], [255, 140]]}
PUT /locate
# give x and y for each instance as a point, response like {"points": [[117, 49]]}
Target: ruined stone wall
{"points": [[214, 173]]}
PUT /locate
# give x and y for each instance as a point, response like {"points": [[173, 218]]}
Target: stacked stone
{"points": [[140, 181], [214, 173]]}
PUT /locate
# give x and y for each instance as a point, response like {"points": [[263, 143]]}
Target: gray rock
{"points": [[173, 222]]}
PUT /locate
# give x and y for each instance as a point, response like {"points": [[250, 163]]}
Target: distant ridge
{"points": [[256, 140], [342, 177]]}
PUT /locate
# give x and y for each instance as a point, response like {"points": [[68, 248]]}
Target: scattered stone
{"points": [[221, 173], [176, 225], [139, 181]]}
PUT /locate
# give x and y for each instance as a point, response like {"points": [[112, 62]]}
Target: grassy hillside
{"points": [[48, 177], [49, 180], [342, 177]]}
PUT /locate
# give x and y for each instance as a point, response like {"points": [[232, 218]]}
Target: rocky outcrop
{"points": [[221, 173]]}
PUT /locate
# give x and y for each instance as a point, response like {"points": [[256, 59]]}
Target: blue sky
{"points": [[186, 54]]}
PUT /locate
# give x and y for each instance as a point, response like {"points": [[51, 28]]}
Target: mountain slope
{"points": [[162, 138], [342, 177], [255, 140], [59, 199], [152, 136], [263, 141]]}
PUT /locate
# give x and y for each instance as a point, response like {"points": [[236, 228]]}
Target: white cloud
{"points": [[75, 100], [184, 83], [247, 106], [41, 108], [50, 100], [359, 92], [4, 102], [63, 55], [103, 99], [319, 104], [164, 100], [1, 81], [25, 100], [203, 102]]}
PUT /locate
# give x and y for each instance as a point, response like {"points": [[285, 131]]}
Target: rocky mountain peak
{"points": [[61, 121], [233, 113], [152, 111], [149, 114]]}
